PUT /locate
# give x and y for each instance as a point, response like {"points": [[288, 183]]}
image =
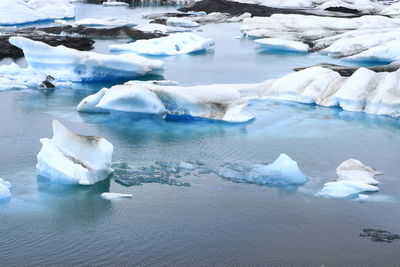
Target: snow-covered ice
{"points": [[71, 158], [174, 44], [66, 64], [112, 196], [14, 12], [5, 189], [355, 170]]}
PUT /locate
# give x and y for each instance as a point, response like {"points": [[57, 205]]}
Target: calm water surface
{"points": [[212, 221]]}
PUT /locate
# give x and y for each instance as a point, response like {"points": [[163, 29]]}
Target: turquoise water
{"points": [[209, 220]]}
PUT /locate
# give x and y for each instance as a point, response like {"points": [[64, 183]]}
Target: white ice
{"points": [[98, 22], [354, 178], [71, 158], [155, 27], [5, 189], [174, 44], [66, 64], [276, 44], [113, 196], [115, 3], [181, 22], [14, 12]]}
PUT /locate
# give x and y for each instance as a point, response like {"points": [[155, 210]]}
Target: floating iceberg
{"points": [[353, 179], [112, 196], [66, 64], [160, 28], [14, 12], [174, 44], [282, 172], [5, 189], [176, 101], [71, 158], [275, 44]]}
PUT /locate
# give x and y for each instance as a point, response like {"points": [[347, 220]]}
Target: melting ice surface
{"points": [[185, 225]]}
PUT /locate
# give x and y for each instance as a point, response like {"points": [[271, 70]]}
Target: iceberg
{"points": [[70, 158], [207, 102], [160, 28], [354, 178], [275, 44], [113, 196], [98, 22], [14, 12], [66, 64], [5, 189], [174, 44]]}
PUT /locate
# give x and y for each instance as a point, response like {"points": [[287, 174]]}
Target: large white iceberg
{"points": [[354, 178], [210, 102], [71, 158], [174, 44], [66, 64], [5, 189], [13, 12], [366, 38]]}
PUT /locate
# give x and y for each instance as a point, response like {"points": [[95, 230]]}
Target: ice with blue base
{"points": [[280, 45], [159, 98], [5, 186], [70, 158], [14, 12], [174, 44], [66, 64]]}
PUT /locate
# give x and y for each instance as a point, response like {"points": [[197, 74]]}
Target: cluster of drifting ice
{"points": [[282, 172], [66, 64], [175, 101], [13, 12], [367, 38], [4, 189], [353, 179], [174, 44], [71, 158]]}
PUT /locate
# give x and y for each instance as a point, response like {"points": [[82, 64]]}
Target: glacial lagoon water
{"points": [[213, 221]]}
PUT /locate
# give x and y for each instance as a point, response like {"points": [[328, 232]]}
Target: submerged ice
{"points": [[71, 158]]}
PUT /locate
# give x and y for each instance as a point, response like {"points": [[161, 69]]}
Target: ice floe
{"points": [[354, 178], [181, 22], [114, 3], [160, 28], [14, 12], [71, 158], [113, 196], [65, 64], [5, 189], [174, 44], [98, 22]]}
